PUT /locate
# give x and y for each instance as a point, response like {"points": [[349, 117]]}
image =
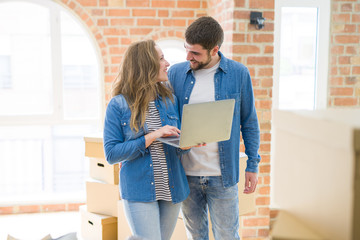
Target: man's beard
{"points": [[201, 65]]}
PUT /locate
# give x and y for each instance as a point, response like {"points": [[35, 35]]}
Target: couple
{"points": [[154, 183]]}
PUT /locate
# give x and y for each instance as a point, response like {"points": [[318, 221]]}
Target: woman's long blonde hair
{"points": [[137, 80]]}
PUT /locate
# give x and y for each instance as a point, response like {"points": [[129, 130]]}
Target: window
{"points": [[301, 62], [50, 99], [174, 51]]}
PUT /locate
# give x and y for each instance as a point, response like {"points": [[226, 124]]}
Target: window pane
{"points": [[5, 76], [70, 165], [80, 72], [174, 51], [25, 39], [22, 154], [298, 58], [38, 159]]}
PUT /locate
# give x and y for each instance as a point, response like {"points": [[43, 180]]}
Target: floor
{"points": [[35, 226]]}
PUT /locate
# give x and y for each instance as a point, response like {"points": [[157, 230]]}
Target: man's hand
{"points": [[250, 182], [199, 145]]}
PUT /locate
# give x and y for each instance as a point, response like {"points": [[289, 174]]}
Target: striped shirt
{"points": [[158, 156]]}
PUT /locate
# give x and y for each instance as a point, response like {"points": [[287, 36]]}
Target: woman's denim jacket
{"points": [[121, 144], [231, 80]]}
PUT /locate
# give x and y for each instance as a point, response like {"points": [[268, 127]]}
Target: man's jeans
{"points": [[223, 204], [152, 220]]}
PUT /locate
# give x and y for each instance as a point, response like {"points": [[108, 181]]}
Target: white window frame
{"points": [[57, 117], [322, 54]]}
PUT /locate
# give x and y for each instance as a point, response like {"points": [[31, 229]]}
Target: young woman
{"points": [[143, 108]]}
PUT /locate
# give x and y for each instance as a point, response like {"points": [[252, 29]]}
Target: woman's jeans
{"points": [[223, 204], [152, 220]]}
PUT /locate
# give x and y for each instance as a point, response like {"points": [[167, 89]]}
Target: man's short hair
{"points": [[206, 32]]}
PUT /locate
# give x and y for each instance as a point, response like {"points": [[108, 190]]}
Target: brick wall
{"points": [[344, 63], [254, 48], [40, 208]]}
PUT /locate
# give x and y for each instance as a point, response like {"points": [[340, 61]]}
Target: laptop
{"points": [[204, 123]]}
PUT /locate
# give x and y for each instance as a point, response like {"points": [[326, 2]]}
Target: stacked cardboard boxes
{"points": [[101, 218], [104, 208]]}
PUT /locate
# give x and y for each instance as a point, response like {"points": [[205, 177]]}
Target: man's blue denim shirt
{"points": [[232, 80], [122, 144]]}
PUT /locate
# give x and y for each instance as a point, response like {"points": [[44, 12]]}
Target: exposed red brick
{"points": [[102, 22], [163, 13], [137, 3], [188, 4], [343, 39], [261, 38], [140, 31], [29, 209], [144, 12], [262, 4], [246, 49], [346, 101], [74, 206], [355, 70], [337, 49], [162, 4], [263, 232], [183, 13], [265, 168], [88, 3], [6, 210], [262, 201], [54, 207], [239, 3], [355, 18], [148, 22], [174, 22], [341, 18], [344, 60], [260, 60], [269, 49], [346, 7], [248, 232], [122, 22], [252, 222], [264, 191], [118, 12]]}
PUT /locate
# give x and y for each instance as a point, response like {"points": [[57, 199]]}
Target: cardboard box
{"points": [[288, 227], [94, 146], [102, 198], [123, 227], [246, 201], [179, 231], [101, 170], [97, 226], [316, 169]]}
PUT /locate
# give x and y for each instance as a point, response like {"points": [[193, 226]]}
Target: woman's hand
{"points": [[164, 131], [167, 131]]}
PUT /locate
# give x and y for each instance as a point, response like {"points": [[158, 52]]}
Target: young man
{"points": [[213, 170]]}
